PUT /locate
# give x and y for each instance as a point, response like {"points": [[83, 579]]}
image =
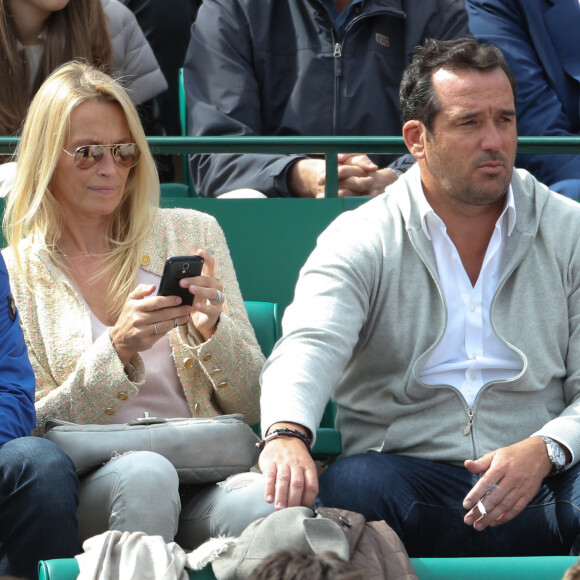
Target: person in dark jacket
{"points": [[161, 20], [306, 67], [38, 484], [536, 37]]}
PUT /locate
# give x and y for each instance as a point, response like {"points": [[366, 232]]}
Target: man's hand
{"points": [[306, 178], [357, 176], [290, 477], [511, 478]]}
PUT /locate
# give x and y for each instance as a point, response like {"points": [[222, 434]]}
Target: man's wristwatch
{"points": [[555, 453]]}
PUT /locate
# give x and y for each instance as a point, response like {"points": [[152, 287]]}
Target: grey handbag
{"points": [[202, 450]]}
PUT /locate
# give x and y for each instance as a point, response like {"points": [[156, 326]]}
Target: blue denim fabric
{"points": [[422, 501], [38, 505]]}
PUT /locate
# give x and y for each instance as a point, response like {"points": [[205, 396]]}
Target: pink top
{"points": [[161, 395]]}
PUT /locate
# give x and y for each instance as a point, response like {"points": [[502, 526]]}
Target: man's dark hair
{"points": [[305, 565], [417, 95]]}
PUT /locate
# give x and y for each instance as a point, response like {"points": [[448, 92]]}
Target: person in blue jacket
{"points": [[300, 68], [38, 483], [538, 39]]}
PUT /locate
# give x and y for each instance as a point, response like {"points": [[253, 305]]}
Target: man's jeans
{"points": [[422, 501], [38, 505]]}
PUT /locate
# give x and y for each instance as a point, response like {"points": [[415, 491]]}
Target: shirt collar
{"points": [[428, 214], [341, 20]]}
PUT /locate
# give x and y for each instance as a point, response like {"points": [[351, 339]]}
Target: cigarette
{"points": [[481, 509]]}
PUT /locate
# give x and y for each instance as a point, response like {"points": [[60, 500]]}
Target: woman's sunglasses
{"points": [[125, 154]]}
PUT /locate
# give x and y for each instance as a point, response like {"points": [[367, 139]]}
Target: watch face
{"points": [[556, 454]]}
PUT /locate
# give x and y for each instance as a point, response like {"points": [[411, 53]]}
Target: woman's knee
{"points": [[238, 502], [226, 508], [143, 480], [136, 491], [145, 469]]}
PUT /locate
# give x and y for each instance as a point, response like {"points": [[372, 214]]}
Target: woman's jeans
{"points": [[140, 492], [422, 501], [38, 506]]}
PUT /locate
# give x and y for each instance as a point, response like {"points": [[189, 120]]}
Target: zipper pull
{"points": [[338, 50], [467, 429]]}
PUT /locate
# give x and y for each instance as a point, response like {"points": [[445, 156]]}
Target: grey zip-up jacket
{"points": [[133, 58], [369, 309], [279, 68]]}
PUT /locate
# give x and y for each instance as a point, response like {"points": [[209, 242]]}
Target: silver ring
{"points": [[155, 328], [218, 297], [175, 323]]}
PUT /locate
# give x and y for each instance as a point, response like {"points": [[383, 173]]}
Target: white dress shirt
{"points": [[470, 353]]}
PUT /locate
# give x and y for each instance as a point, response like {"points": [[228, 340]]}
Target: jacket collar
{"points": [[530, 197]]}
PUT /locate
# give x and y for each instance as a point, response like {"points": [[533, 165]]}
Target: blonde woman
{"points": [[87, 245]]}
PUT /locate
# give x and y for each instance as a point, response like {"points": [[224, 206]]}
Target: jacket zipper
{"points": [[338, 55], [467, 428], [337, 74]]}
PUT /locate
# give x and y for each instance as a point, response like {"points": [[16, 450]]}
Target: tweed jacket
{"points": [[369, 309], [85, 382]]}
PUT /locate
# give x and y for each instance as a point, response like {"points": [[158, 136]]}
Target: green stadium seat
{"points": [[264, 319], [174, 190], [530, 568], [186, 174], [68, 569]]}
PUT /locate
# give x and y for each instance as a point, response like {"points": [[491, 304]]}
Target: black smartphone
{"points": [[176, 268]]}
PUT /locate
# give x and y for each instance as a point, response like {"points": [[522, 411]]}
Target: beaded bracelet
{"points": [[285, 432]]}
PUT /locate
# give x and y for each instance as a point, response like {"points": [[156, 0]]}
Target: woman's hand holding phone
{"points": [[144, 319], [209, 302]]}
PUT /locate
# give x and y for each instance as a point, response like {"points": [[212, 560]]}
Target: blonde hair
{"points": [[33, 213], [78, 31]]}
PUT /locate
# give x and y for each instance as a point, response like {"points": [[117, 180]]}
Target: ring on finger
{"points": [[155, 328], [175, 323], [218, 297]]}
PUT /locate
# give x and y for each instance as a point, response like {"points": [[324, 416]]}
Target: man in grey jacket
{"points": [[444, 319]]}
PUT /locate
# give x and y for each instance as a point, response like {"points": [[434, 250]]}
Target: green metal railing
{"points": [[329, 146]]}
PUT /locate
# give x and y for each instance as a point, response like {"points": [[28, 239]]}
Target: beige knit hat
{"points": [[294, 528]]}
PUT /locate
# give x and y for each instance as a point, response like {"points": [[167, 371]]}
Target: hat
{"points": [[295, 528]]}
